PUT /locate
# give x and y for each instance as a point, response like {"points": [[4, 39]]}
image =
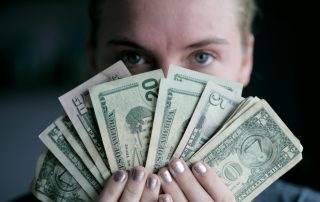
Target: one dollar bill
{"points": [[53, 182], [54, 140], [254, 151]]}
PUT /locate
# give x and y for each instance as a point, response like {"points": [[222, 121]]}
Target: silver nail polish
{"points": [[137, 175], [119, 176], [151, 182], [165, 199], [166, 176], [200, 168], [178, 167]]}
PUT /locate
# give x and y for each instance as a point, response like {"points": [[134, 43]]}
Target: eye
{"points": [[203, 58], [132, 58]]}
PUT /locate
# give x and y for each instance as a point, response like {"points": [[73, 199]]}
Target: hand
{"points": [[201, 183], [136, 186]]}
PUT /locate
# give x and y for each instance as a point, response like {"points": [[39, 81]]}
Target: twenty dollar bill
{"points": [[124, 110]]}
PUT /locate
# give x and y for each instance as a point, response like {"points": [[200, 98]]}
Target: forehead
{"points": [[166, 11], [179, 19]]}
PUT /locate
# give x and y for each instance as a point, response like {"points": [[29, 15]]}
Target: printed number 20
{"points": [[151, 85]]}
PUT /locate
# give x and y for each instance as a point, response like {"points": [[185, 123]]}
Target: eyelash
{"points": [[143, 61], [210, 58], [125, 57]]}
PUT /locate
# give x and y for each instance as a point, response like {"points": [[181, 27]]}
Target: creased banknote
{"points": [[57, 144], [174, 109], [214, 106], [124, 110], [77, 105], [53, 182], [254, 151]]}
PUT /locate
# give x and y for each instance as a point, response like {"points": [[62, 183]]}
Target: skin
{"points": [[148, 34]]}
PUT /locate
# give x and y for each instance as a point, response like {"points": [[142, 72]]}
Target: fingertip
{"points": [[165, 175], [199, 168], [138, 173], [120, 176], [153, 181], [165, 198], [114, 186], [177, 166]]}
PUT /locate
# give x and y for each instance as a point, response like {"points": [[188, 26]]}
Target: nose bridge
{"points": [[164, 62]]}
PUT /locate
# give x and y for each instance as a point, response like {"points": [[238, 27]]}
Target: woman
{"points": [[210, 36]]}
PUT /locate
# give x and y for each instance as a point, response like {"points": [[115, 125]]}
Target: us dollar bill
{"points": [[246, 104], [71, 135], [124, 110], [78, 106], [254, 151], [214, 106], [57, 144], [188, 76], [174, 109], [53, 182]]}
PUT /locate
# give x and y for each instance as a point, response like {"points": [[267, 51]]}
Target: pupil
{"points": [[202, 57], [133, 58]]}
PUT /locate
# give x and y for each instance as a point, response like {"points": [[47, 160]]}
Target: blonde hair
{"points": [[246, 12]]}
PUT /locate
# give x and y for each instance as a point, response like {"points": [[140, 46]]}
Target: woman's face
{"points": [[202, 35]]}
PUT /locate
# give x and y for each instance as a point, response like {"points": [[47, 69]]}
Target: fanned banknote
{"points": [[53, 182], [124, 110], [70, 134], [184, 75], [77, 105], [124, 123], [54, 140], [175, 106], [214, 106], [254, 151]]}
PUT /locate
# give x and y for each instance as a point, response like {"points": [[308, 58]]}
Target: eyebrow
{"points": [[215, 40], [125, 42]]}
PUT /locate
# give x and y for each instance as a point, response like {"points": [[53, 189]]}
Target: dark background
{"points": [[42, 56]]}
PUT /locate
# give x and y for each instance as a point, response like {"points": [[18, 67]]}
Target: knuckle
{"points": [[131, 191], [227, 198]]}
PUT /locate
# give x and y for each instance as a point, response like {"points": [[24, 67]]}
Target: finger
{"points": [[165, 198], [169, 186], [211, 182], [151, 189], [114, 187], [135, 184], [187, 182]]}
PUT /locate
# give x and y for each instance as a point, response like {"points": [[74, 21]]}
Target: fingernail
{"points": [[166, 176], [200, 168], [137, 175], [165, 199], [119, 176], [178, 167], [151, 182]]}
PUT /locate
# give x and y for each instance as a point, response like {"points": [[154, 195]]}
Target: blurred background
{"points": [[43, 55]]}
